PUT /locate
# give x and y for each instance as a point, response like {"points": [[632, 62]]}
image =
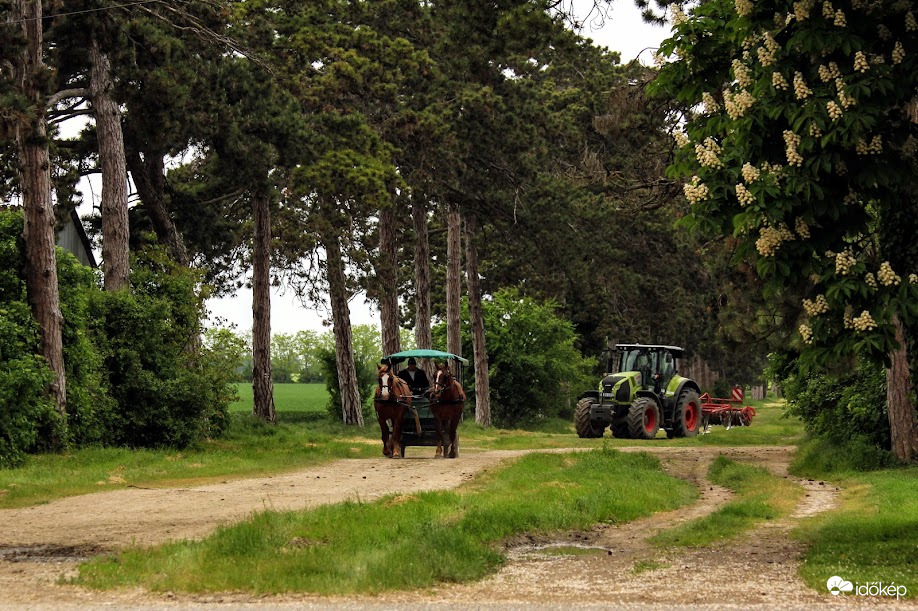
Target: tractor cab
{"points": [[656, 364]]}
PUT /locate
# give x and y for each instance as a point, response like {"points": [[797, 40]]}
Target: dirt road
{"points": [[40, 544]]}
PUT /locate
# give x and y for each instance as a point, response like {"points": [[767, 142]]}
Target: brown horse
{"points": [[392, 400], [447, 400]]}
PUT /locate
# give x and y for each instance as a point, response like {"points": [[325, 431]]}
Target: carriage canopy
{"points": [[398, 357]]}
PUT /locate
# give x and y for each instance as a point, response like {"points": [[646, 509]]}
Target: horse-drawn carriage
{"points": [[428, 418]]}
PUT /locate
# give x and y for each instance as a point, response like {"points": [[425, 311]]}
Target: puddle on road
{"points": [[554, 551], [48, 553], [572, 550]]}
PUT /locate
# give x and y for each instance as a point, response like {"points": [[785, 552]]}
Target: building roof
{"points": [[71, 237]]}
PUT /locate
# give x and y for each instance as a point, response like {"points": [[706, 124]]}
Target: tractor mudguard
{"points": [[683, 383], [592, 394], [652, 395]]}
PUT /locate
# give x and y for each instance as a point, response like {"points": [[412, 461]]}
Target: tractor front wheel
{"points": [[643, 418], [687, 417], [582, 421]]}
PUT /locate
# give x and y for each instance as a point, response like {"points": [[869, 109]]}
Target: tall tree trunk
{"points": [[482, 385], [35, 168], [344, 345], [150, 180], [422, 333], [453, 283], [386, 274], [262, 383], [115, 250], [902, 425]]}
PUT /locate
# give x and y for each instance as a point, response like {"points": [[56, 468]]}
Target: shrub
{"points": [[89, 404], [169, 390], [841, 405], [820, 457], [24, 378], [535, 370], [24, 407], [135, 374]]}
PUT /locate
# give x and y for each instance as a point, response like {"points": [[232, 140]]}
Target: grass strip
{"points": [[872, 537], [760, 496], [403, 541]]}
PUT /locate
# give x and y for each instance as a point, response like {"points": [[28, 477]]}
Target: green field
{"points": [[287, 398]]}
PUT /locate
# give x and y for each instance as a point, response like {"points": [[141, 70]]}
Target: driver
{"points": [[416, 378]]}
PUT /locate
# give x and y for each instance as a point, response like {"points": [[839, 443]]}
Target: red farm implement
{"points": [[727, 412]]}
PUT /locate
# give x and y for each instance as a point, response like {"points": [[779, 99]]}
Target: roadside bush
{"points": [[841, 405], [820, 457], [535, 370], [843, 410], [135, 374], [24, 407], [89, 404], [169, 390]]}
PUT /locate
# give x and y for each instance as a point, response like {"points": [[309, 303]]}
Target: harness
{"points": [[437, 393], [402, 385]]}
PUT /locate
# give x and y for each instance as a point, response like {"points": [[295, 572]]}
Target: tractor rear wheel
{"points": [[643, 418], [582, 421], [687, 417], [620, 430]]}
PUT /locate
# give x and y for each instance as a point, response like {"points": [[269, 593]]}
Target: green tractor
{"points": [[644, 395]]}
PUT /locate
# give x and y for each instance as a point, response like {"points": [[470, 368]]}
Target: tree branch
{"points": [[67, 93], [61, 117]]}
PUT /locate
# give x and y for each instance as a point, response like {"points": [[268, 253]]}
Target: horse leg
{"points": [[454, 435], [444, 436], [397, 433], [384, 430], [440, 449]]}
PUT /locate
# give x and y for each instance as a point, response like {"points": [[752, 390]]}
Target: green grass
{"points": [[642, 566], [287, 398], [760, 496], [403, 542], [873, 535], [249, 449]]}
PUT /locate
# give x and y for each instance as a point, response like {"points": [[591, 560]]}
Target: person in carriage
{"points": [[415, 378]]}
